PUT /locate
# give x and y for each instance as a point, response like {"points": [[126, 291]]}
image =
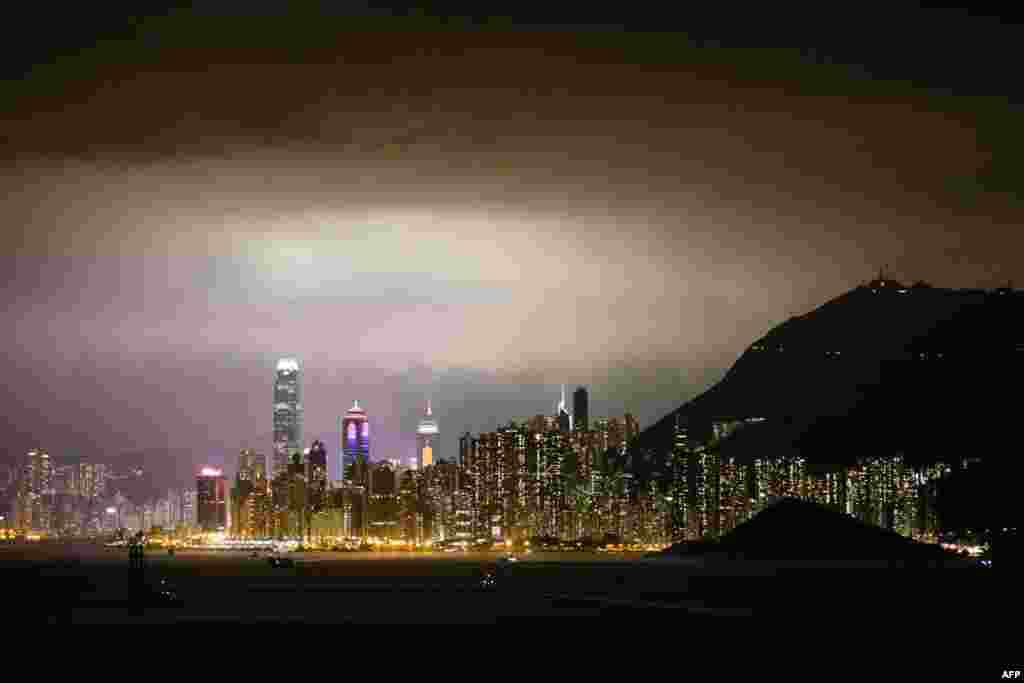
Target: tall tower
{"points": [[355, 435], [580, 410], [428, 437], [564, 418], [287, 413]]}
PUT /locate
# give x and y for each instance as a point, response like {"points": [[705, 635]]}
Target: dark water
{"points": [[92, 584]]}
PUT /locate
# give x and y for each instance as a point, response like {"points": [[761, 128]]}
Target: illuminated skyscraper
{"points": [[427, 439], [287, 413], [734, 494], [40, 472], [679, 486], [211, 500], [248, 504], [355, 435], [34, 490], [384, 505]]}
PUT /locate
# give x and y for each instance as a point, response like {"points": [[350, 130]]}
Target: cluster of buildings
{"points": [[45, 498], [570, 481], [708, 494], [561, 477], [555, 477], [545, 476], [569, 478]]}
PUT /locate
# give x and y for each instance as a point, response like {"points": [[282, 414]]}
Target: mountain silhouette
{"points": [[799, 530], [885, 368]]}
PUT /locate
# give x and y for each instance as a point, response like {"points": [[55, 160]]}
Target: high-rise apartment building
{"points": [[609, 433], [384, 504], [41, 472], [249, 497], [679, 483], [34, 491]]}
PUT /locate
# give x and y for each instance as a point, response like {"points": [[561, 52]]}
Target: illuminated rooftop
{"points": [[288, 365], [428, 425]]}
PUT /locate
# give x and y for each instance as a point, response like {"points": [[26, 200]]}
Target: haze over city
{"points": [[475, 220], [326, 312]]}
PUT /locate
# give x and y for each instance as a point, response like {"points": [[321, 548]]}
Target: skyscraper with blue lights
{"points": [[355, 435]]}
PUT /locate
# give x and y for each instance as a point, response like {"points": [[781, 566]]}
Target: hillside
{"points": [[930, 372], [798, 530]]}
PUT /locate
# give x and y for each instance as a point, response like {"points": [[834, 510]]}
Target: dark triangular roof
{"points": [[891, 366], [798, 530]]}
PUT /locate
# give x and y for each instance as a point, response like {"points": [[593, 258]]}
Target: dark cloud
{"points": [[472, 217]]}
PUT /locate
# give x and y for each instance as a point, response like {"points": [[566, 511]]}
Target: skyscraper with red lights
{"points": [[211, 500]]}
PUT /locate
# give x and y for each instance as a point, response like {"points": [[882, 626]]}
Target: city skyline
{"points": [[546, 476], [881, 293], [325, 312], [427, 425], [476, 217]]}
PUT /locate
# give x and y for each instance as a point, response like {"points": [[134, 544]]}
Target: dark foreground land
{"points": [[82, 583]]}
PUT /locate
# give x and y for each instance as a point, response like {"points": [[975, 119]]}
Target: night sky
{"points": [[475, 216]]}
